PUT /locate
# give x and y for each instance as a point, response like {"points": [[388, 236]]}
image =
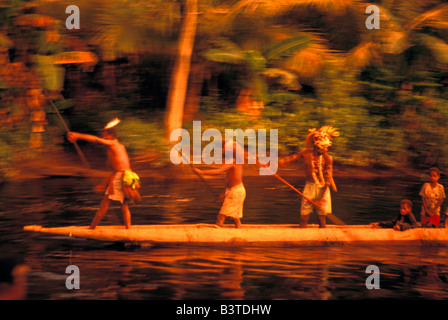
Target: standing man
{"points": [[319, 173], [235, 193], [119, 160]]}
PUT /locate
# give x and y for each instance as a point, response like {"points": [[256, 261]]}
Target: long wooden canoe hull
{"points": [[252, 235]]}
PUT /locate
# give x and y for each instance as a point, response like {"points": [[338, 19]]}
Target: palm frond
{"points": [[285, 78], [364, 54], [309, 62], [225, 51], [436, 16], [122, 28], [287, 47], [395, 42], [221, 55], [438, 47], [274, 8], [254, 61], [332, 6]]}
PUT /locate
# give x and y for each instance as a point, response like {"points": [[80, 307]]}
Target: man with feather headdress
{"points": [[319, 174], [122, 185]]}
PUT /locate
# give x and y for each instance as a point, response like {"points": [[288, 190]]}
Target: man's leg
{"points": [[324, 199], [237, 222], [306, 207], [220, 220], [304, 220], [101, 212], [126, 215], [322, 222]]}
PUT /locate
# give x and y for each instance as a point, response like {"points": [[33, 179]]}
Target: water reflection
{"points": [[241, 273]]}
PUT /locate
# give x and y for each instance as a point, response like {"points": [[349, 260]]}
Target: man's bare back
{"points": [[234, 175]]}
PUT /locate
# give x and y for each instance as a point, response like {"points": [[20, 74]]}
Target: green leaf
{"points": [[438, 47], [254, 60], [5, 42], [287, 47], [284, 77], [222, 55], [52, 75]]}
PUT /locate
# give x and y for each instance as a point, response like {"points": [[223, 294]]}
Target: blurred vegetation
{"points": [[280, 64]]}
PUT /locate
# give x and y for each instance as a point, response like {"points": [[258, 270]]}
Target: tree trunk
{"points": [[194, 91], [179, 78]]}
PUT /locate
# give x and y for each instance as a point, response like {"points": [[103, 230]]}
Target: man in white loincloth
{"points": [[235, 192], [119, 160], [319, 174]]}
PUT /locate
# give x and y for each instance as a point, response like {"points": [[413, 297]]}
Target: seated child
{"points": [[404, 221]]}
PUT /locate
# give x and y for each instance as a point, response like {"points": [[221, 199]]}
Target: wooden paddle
{"points": [[78, 150]]}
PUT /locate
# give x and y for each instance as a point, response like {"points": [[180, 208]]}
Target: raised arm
{"points": [[73, 136]]}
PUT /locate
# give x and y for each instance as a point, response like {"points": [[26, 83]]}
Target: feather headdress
{"points": [[329, 130], [112, 124]]}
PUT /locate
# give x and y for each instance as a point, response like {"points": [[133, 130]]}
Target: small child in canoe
{"points": [[404, 221]]}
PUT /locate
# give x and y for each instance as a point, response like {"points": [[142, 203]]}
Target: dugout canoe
{"points": [[251, 235]]}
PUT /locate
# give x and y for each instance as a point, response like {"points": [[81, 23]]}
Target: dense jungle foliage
{"points": [[274, 64]]}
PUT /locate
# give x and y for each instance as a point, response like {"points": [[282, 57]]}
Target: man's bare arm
{"points": [[330, 171], [288, 159], [73, 136]]}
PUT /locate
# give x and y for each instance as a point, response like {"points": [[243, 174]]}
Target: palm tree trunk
{"points": [[193, 98], [179, 78]]}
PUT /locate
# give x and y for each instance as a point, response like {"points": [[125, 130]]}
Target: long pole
{"points": [[331, 216], [199, 175], [295, 189], [78, 150]]}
